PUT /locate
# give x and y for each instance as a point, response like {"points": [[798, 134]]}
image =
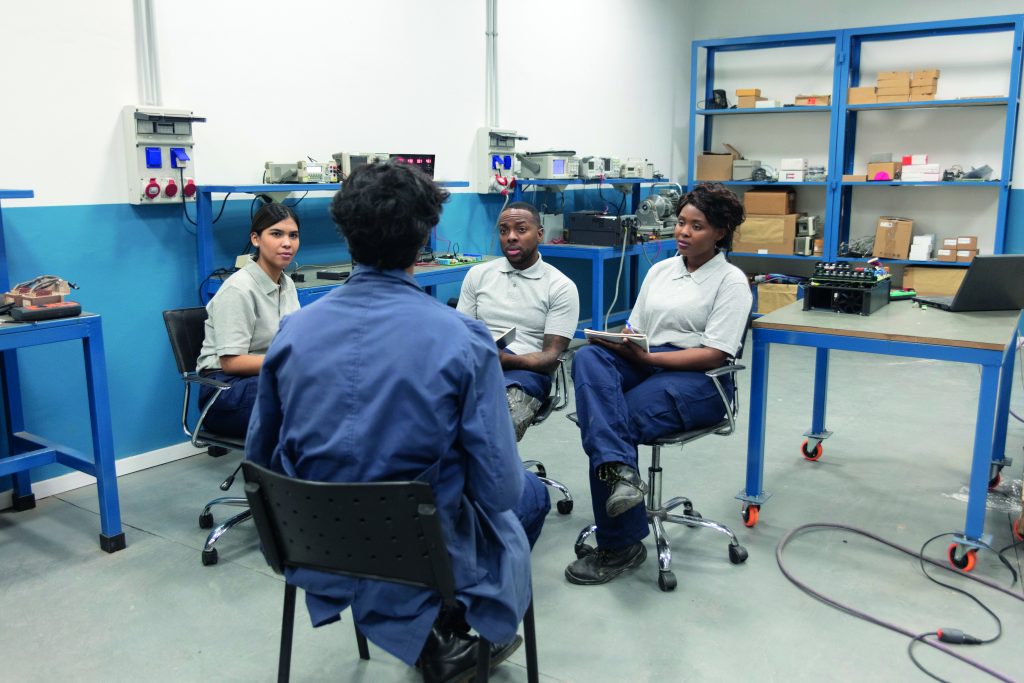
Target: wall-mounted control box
{"points": [[159, 152]]}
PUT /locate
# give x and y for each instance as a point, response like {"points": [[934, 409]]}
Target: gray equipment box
{"points": [[743, 169]]}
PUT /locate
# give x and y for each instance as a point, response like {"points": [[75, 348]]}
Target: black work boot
{"points": [[448, 656], [627, 490], [601, 566]]}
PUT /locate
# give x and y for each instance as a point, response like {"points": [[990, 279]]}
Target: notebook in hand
{"points": [[619, 337], [992, 283], [504, 337]]}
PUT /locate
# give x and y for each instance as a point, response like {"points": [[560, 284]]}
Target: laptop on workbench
{"points": [[992, 283]]}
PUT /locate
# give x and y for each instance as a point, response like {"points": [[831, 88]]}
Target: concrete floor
{"points": [[896, 465]]}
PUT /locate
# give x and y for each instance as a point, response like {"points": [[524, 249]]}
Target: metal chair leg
{"points": [[284, 663], [364, 650], [532, 670], [483, 660]]}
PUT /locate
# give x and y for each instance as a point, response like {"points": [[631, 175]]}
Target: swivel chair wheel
{"points": [[216, 451], [813, 454], [962, 559], [666, 581], [206, 520], [995, 476], [737, 554], [693, 513], [564, 506], [209, 557], [750, 515], [541, 471], [1018, 528]]}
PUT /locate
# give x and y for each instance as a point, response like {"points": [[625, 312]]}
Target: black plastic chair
{"points": [[386, 531], [185, 331]]}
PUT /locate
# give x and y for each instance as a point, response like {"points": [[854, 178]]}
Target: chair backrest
{"points": [[389, 531], [185, 330]]}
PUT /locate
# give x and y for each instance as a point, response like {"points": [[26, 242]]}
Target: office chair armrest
{"points": [[731, 407], [205, 381], [725, 370]]}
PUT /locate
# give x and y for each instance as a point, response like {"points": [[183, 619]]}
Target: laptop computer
{"points": [[992, 283]]}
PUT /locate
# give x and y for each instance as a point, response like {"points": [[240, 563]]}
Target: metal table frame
{"points": [[990, 426]]}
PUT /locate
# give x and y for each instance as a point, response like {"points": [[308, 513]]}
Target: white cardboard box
{"points": [[789, 176], [793, 164]]}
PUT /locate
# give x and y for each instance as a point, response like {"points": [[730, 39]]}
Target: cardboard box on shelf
{"points": [[966, 242], [946, 254], [819, 247], [774, 201], [813, 100], [920, 252], [790, 176], [855, 177], [965, 255], [949, 242], [893, 88], [883, 99], [884, 170], [933, 281], [892, 237], [743, 169], [748, 92], [772, 296], [924, 82], [862, 95], [716, 166], [914, 159], [793, 164], [922, 98], [893, 75], [766, 234], [926, 73], [923, 90], [767, 104], [749, 102]]}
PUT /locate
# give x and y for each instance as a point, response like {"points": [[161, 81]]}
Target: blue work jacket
{"points": [[378, 381]]}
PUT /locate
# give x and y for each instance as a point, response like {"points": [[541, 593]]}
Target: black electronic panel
{"points": [[847, 288], [424, 162], [600, 229]]}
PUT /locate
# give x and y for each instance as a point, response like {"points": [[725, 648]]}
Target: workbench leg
{"points": [[756, 430], [1003, 402], [111, 535], [14, 421], [820, 391], [983, 433], [597, 296]]}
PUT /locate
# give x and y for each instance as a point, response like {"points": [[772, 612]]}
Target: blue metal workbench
{"points": [[21, 451], [988, 339]]}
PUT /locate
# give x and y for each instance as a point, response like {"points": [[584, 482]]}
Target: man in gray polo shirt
{"points": [[524, 292]]}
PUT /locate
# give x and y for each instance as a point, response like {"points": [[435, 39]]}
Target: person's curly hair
{"points": [[720, 207], [385, 211]]}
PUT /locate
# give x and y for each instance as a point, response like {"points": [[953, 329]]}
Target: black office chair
{"points": [[387, 531], [556, 400], [658, 513], [185, 331]]}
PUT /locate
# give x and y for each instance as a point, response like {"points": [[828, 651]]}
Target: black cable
{"points": [[184, 205], [299, 200], [219, 271], [916, 637]]}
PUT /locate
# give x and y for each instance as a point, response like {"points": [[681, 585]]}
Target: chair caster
{"points": [[1018, 528], [209, 557], [995, 476], [962, 558], [216, 451], [814, 454], [666, 581], [750, 515], [564, 507], [737, 554], [206, 521]]}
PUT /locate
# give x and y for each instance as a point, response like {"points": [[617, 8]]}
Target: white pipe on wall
{"points": [[146, 60], [491, 76]]}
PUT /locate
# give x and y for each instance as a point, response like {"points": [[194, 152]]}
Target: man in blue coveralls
{"points": [[378, 381]]}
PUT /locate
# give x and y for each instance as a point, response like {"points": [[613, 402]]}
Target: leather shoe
{"points": [[627, 490], [501, 652], [448, 656], [601, 566]]}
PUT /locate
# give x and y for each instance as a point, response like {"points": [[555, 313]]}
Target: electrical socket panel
{"points": [[495, 158], [159, 152]]}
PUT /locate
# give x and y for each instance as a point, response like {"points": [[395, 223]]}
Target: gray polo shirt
{"points": [[244, 315], [708, 307], [536, 301]]}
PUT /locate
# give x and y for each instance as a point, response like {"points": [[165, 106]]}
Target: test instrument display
{"points": [[549, 165], [424, 162], [301, 172], [350, 161]]}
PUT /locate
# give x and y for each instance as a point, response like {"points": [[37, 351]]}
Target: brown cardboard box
{"points": [[924, 82], [894, 98], [927, 73], [771, 296], [813, 100], [773, 202], [861, 95], [945, 254], [892, 237], [893, 88], [949, 242], [893, 75], [749, 102], [890, 168], [933, 281], [766, 234], [922, 98], [965, 255], [923, 90], [854, 178], [748, 92], [716, 166], [967, 242]]}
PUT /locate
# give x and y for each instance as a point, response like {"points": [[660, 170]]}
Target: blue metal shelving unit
{"points": [[843, 122], [636, 183]]}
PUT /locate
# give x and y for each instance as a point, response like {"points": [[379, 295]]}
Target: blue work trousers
{"points": [[533, 506], [620, 405], [229, 414], [536, 384]]}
